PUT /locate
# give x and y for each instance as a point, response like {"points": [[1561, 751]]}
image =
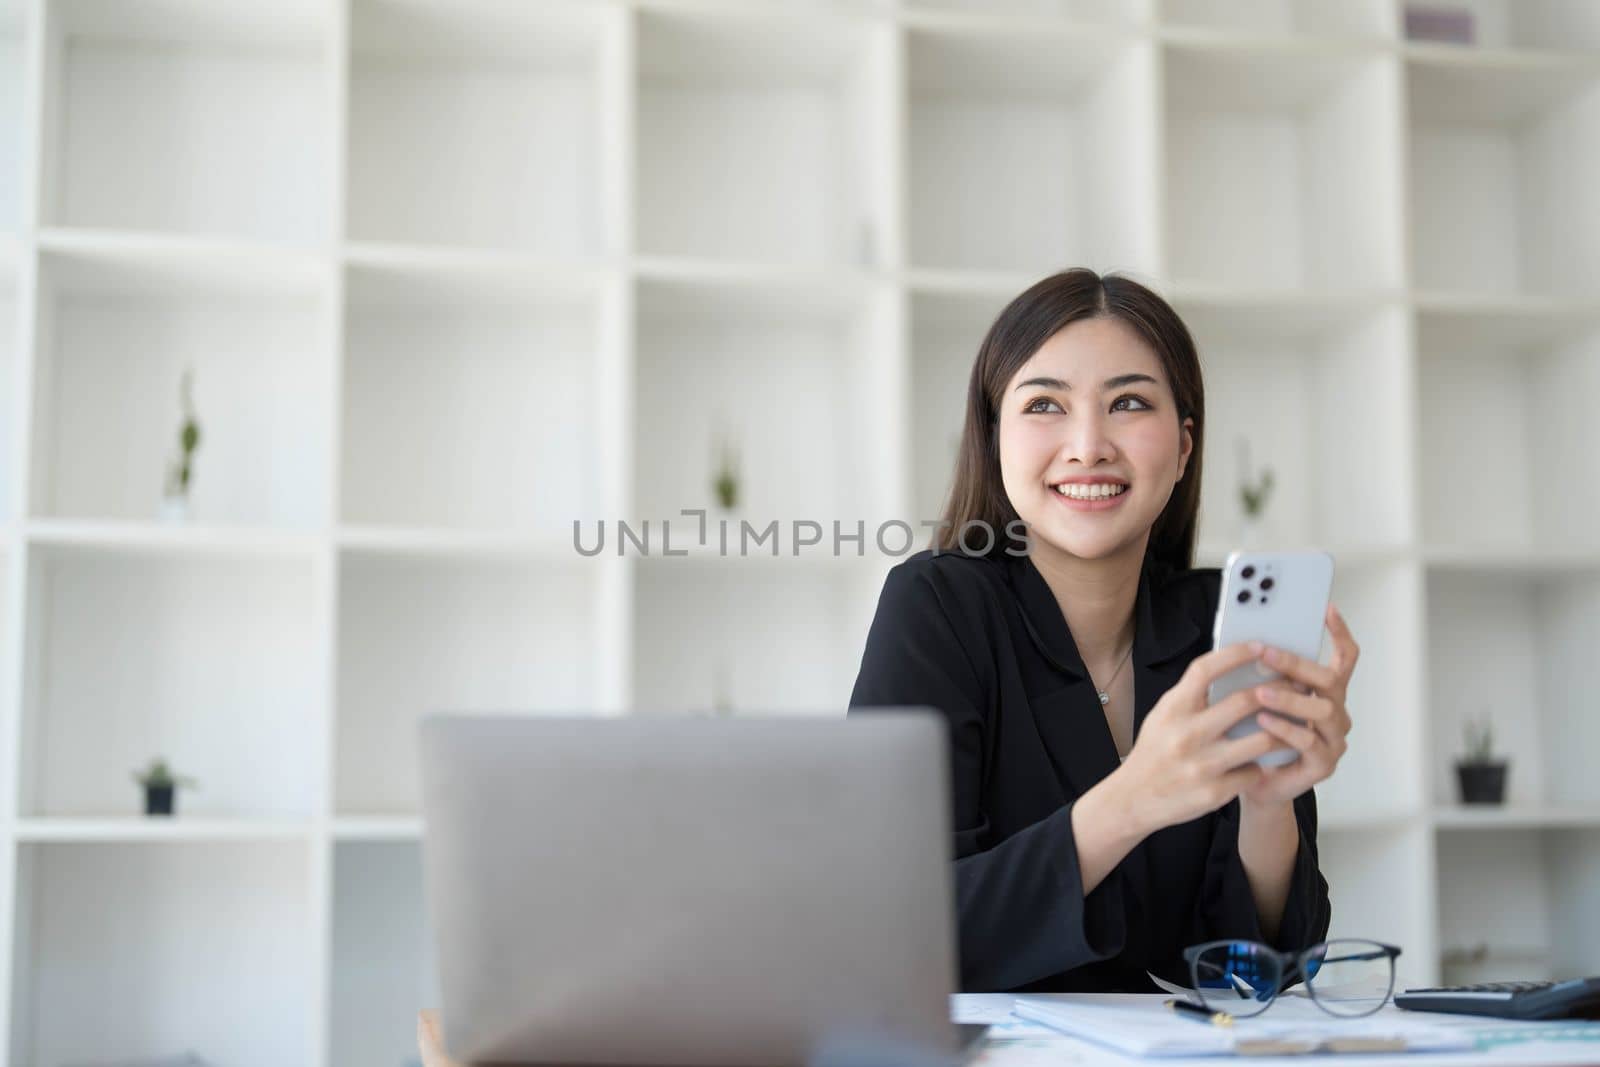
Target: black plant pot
{"points": [[1482, 783], [158, 800]]}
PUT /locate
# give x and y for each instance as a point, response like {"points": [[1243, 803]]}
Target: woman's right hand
{"points": [[1183, 764]]}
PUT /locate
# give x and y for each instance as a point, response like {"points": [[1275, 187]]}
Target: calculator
{"points": [[1575, 998]]}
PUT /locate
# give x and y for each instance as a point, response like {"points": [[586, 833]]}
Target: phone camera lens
{"points": [[1248, 572], [1266, 583], [1244, 596]]}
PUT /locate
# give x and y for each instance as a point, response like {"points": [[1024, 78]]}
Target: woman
{"points": [[1103, 820]]}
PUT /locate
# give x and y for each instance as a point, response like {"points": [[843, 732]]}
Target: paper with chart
{"points": [[1141, 1025]]}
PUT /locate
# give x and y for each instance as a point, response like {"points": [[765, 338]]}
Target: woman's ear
{"points": [[1185, 446]]}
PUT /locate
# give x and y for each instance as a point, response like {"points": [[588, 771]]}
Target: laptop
{"points": [[672, 891]]}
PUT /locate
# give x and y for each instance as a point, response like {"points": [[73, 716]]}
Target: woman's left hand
{"points": [[1318, 701], [430, 1044]]}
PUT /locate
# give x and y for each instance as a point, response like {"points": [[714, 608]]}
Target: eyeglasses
{"points": [[1344, 977]]}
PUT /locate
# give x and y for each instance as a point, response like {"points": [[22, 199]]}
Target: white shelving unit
{"points": [[450, 275]]}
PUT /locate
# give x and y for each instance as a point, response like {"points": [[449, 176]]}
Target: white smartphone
{"points": [[1279, 599]]}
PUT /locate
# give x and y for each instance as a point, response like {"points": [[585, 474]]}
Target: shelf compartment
{"points": [[118, 324], [764, 138], [227, 927], [479, 124], [1282, 166], [1372, 19], [14, 33], [188, 116], [451, 635], [747, 638], [1379, 882], [383, 965], [208, 662], [1517, 648], [766, 363], [1502, 395], [1291, 378], [1000, 174], [946, 330], [1501, 203], [469, 399], [1555, 25], [1387, 699], [1528, 898]]}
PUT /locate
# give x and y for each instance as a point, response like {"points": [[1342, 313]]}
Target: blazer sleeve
{"points": [[1227, 909], [1021, 911]]}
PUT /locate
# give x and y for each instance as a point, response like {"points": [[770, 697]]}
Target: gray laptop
{"points": [[673, 890]]}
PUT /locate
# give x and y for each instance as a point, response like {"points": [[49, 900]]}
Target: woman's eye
{"points": [[1044, 405]]}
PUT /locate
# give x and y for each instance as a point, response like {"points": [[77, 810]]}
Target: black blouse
{"points": [[984, 641]]}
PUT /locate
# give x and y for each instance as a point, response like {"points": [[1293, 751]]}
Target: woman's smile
{"points": [[1090, 496]]}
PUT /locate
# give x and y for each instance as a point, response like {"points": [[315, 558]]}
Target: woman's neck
{"points": [[1097, 599]]}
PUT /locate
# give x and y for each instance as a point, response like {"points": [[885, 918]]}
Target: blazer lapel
{"points": [[1165, 631], [1073, 728]]}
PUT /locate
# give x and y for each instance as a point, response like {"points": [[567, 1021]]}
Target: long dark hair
{"points": [[1048, 306]]}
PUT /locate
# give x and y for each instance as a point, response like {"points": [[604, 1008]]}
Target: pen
{"points": [[1200, 1014]]}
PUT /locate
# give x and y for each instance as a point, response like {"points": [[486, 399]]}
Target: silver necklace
{"points": [[1105, 694]]}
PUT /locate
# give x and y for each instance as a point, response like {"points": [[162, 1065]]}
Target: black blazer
{"points": [[984, 641]]}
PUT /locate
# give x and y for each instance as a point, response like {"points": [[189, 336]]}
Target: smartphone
{"points": [[1279, 599]]}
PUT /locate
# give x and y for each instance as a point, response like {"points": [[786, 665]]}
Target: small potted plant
{"points": [[159, 786], [1253, 494], [726, 483], [1481, 775], [180, 470]]}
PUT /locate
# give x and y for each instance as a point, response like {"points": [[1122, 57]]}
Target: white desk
{"points": [[1510, 1043], [1554, 1043]]}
